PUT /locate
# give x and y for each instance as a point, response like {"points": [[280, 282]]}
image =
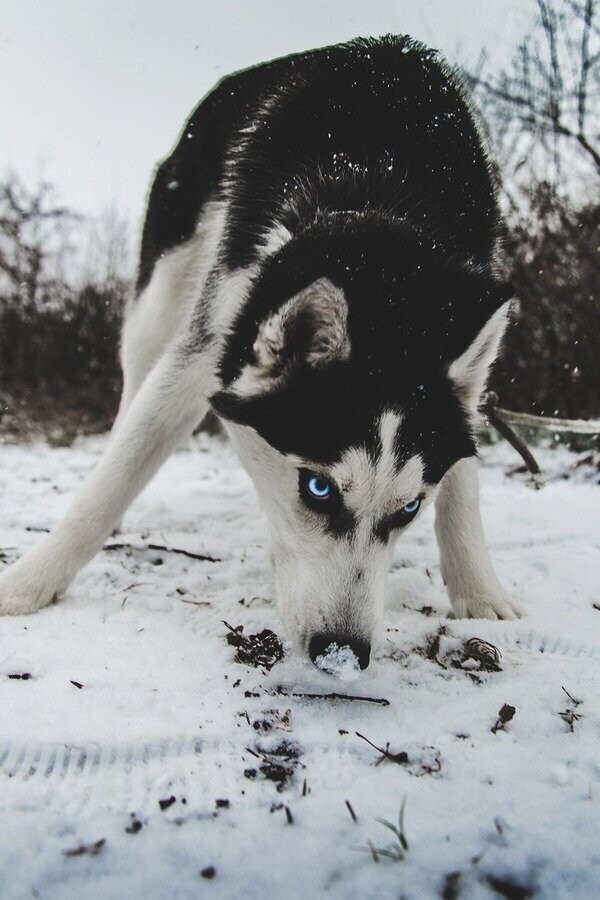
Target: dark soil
{"points": [[262, 650], [278, 765], [509, 889]]}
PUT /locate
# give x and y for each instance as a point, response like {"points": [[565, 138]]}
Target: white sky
{"points": [[94, 92]]}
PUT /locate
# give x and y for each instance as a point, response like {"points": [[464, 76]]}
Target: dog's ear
{"points": [[310, 329], [470, 370]]}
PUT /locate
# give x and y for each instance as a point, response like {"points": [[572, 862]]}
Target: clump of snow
{"points": [[339, 661]]}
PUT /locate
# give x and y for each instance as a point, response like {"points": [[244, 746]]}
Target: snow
{"points": [[164, 711], [341, 662]]}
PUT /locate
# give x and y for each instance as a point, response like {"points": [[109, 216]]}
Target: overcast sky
{"points": [[94, 92]]}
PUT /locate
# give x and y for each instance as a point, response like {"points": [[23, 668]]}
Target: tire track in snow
{"points": [[65, 762], [523, 638]]}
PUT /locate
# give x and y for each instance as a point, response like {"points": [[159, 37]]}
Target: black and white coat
{"points": [[317, 265]]}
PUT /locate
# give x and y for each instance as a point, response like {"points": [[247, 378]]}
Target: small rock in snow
{"points": [[208, 872]]}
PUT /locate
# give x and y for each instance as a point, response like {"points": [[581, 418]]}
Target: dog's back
{"points": [[373, 124]]}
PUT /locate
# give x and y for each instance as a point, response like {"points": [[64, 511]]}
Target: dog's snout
{"points": [[320, 644]]}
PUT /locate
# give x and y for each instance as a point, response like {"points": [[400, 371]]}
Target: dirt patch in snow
{"points": [[262, 650]]}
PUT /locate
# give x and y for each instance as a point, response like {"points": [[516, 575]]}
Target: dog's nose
{"points": [[321, 643]]}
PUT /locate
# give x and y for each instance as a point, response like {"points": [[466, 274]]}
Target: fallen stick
{"points": [[333, 696], [502, 427], [400, 758], [351, 811], [200, 556]]}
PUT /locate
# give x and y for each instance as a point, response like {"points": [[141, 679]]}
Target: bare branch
{"points": [[585, 66], [547, 93]]}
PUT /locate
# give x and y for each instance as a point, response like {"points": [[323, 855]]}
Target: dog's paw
{"points": [[24, 589], [496, 605]]}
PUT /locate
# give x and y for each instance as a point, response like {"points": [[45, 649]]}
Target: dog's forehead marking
{"points": [[389, 425], [376, 480]]}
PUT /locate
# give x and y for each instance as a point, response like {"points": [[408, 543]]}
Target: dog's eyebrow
{"points": [[382, 528]]}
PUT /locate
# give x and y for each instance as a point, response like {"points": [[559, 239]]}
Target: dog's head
{"points": [[350, 386]]}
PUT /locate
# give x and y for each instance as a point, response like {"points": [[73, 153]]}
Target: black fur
{"points": [[408, 306], [375, 124], [368, 153], [377, 103]]}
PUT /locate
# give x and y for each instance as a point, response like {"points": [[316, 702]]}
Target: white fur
{"points": [[275, 239], [470, 371], [376, 487], [164, 309], [315, 572], [473, 586]]}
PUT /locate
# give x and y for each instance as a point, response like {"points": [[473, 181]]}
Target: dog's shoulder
{"points": [[372, 123], [264, 99], [194, 169]]}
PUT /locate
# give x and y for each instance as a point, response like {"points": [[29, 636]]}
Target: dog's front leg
{"points": [[167, 408], [473, 586]]}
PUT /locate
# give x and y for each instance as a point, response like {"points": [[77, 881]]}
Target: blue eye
{"points": [[411, 508], [318, 493], [318, 487]]}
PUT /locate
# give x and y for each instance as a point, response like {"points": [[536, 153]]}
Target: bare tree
{"points": [[58, 335], [34, 241], [550, 361], [106, 258], [543, 114], [546, 102]]}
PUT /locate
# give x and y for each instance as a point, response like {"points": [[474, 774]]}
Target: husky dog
{"points": [[317, 266]]}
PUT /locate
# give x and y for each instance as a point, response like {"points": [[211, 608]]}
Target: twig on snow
{"points": [[333, 696], [569, 715], [400, 758], [202, 557], [503, 428], [351, 811]]}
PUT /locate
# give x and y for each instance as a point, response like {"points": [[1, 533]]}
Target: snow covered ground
{"points": [[134, 697]]}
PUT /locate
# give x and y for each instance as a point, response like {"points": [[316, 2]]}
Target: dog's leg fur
{"points": [[166, 409], [153, 319], [473, 586]]}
